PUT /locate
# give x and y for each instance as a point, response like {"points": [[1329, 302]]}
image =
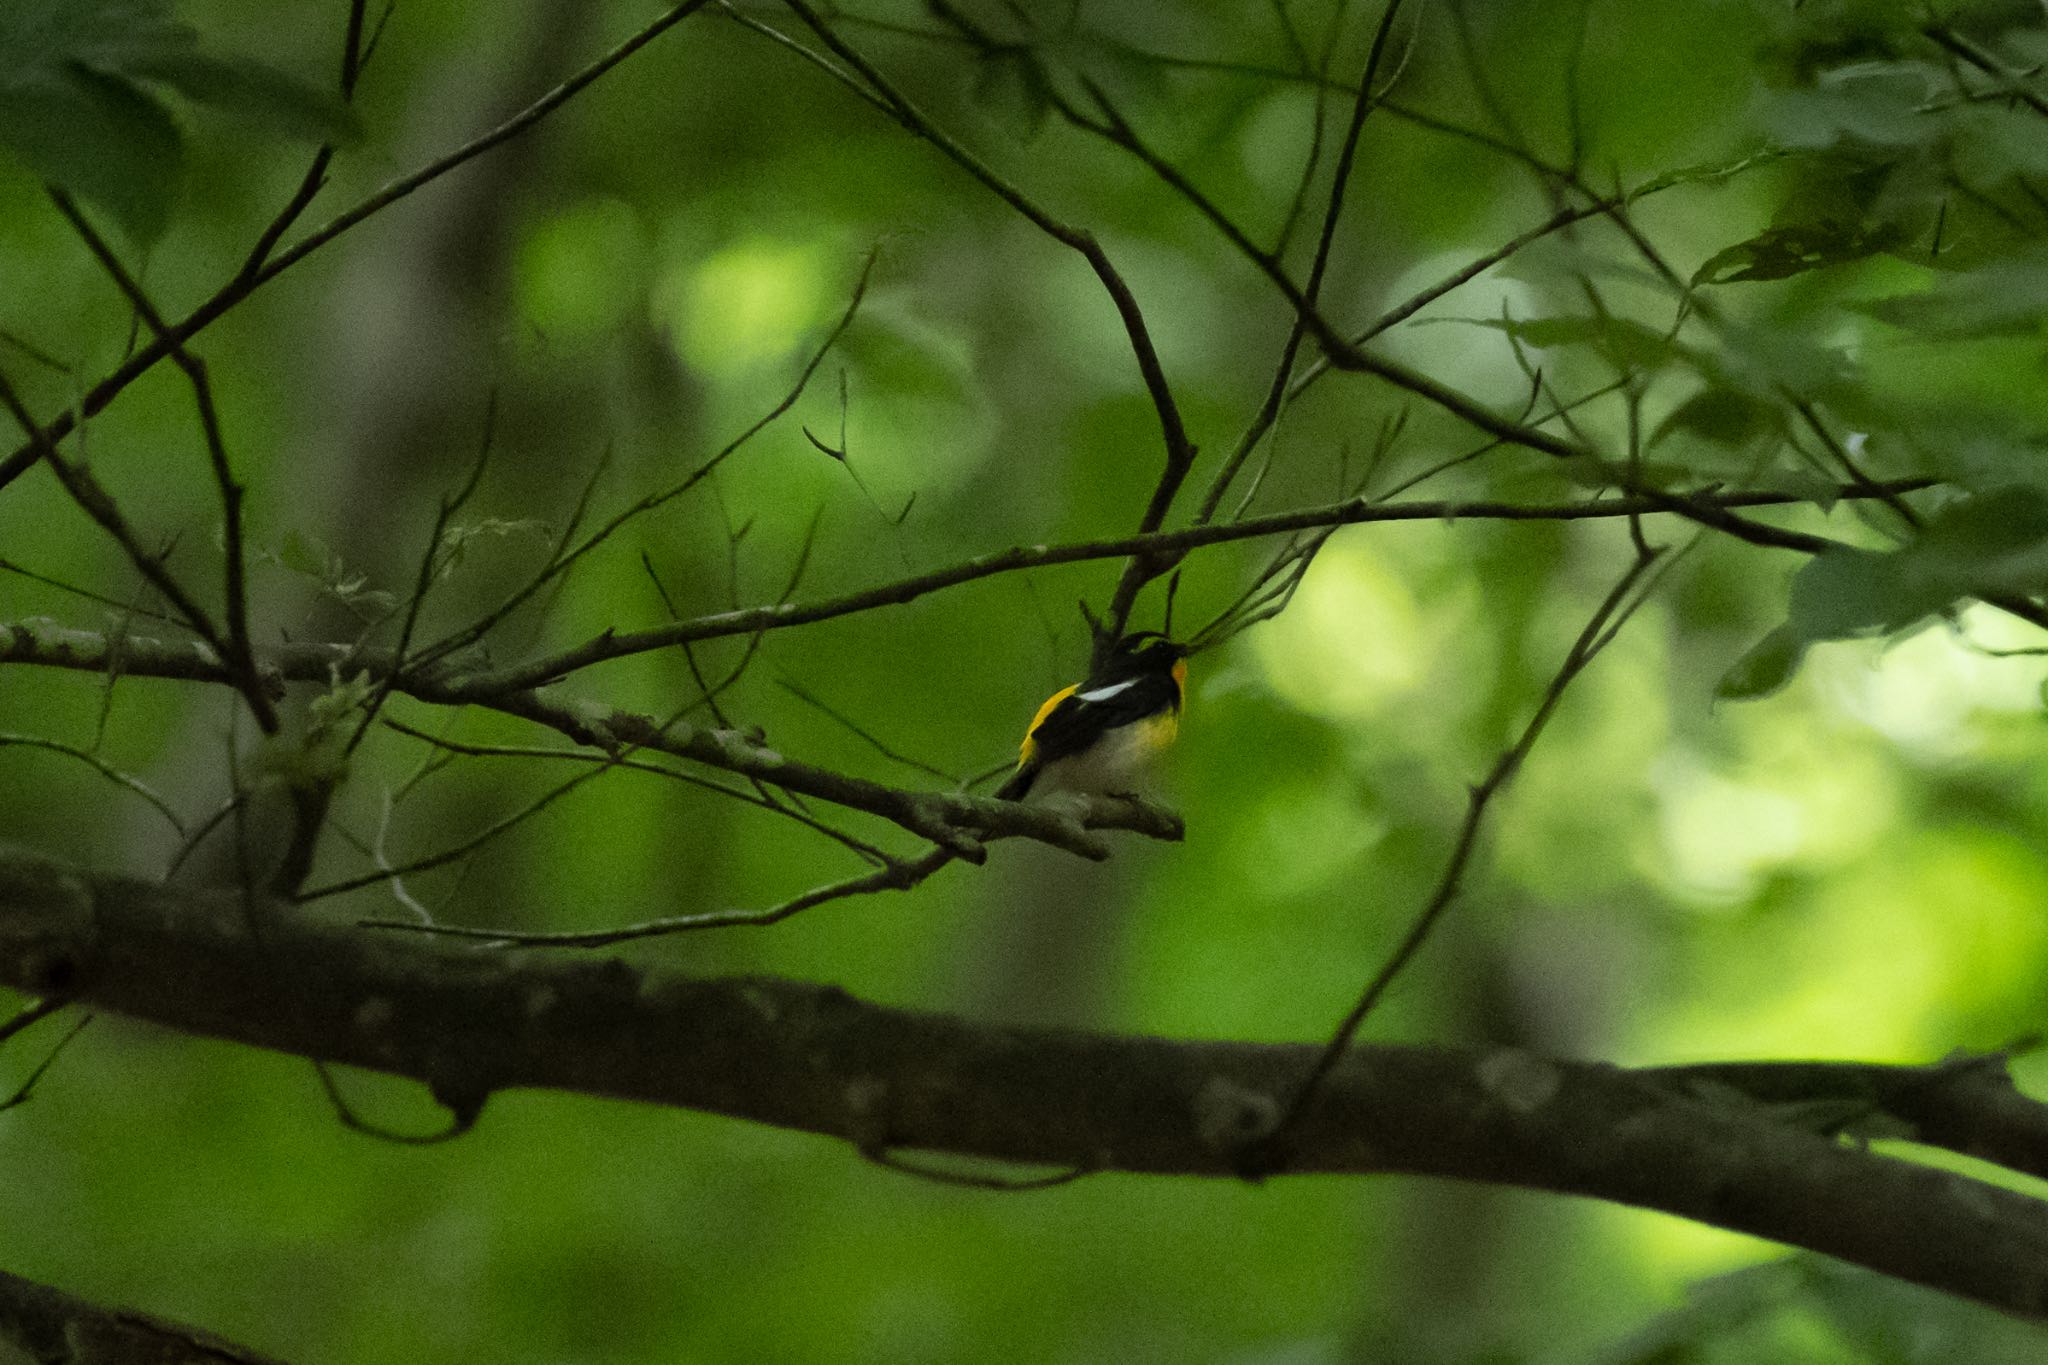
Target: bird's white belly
{"points": [[1117, 763]]}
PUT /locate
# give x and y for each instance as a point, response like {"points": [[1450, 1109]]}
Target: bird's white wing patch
{"points": [[1105, 693]]}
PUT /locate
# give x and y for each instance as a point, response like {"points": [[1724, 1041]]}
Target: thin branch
{"points": [[1267, 1151], [31, 1014], [198, 833], [755, 798], [125, 609], [891, 876], [560, 563], [423, 580], [1709, 508], [36, 1073], [244, 284], [237, 594], [94, 500], [315, 178], [2009, 81], [38, 642], [104, 769], [456, 852], [861, 732], [1179, 447]]}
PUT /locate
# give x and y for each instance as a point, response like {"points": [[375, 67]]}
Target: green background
{"points": [[1850, 868]]}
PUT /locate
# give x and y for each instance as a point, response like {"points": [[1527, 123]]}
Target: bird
{"points": [[1098, 736]]}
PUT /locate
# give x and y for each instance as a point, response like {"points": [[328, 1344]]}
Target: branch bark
{"points": [[470, 1021], [50, 1325]]}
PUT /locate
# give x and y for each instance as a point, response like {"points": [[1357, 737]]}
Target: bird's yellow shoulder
{"points": [[1025, 750]]}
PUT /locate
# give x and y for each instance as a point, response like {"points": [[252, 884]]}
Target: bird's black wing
{"points": [[1078, 722]]}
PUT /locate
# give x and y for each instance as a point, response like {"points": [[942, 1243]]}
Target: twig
{"points": [[27, 1087], [1713, 509], [237, 648], [311, 183], [757, 797], [1267, 1150], [560, 563], [892, 876], [94, 500], [31, 1014], [1988, 63], [861, 732], [242, 285], [423, 581], [104, 768], [1179, 447], [126, 609]]}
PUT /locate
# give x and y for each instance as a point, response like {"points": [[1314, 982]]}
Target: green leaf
{"points": [[76, 108], [2005, 298], [1848, 592], [1878, 104], [1013, 84], [1725, 417], [1626, 345], [457, 540], [258, 95], [1778, 253], [1766, 359], [304, 554], [1993, 544], [1766, 668], [103, 139]]}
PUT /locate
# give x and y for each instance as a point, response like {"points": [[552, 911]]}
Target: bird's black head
{"points": [[1145, 651]]}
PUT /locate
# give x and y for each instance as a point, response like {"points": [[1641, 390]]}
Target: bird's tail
{"points": [[1018, 785]]}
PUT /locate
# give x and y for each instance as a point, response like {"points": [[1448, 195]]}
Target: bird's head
{"points": [[1146, 651]]}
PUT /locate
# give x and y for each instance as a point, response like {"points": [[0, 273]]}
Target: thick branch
{"points": [[470, 1021], [50, 1325]]}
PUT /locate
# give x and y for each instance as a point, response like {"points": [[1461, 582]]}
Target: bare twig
{"points": [[243, 284], [311, 183], [1267, 1150], [237, 639], [29, 1082], [94, 500], [1713, 509], [1179, 447], [104, 768], [560, 563], [54, 646], [861, 732], [891, 876], [423, 581], [31, 1014], [758, 797]]}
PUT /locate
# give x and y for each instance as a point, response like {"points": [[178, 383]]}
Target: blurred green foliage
{"points": [[1849, 865]]}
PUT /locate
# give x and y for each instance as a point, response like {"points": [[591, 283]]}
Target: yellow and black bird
{"points": [[1098, 736]]}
